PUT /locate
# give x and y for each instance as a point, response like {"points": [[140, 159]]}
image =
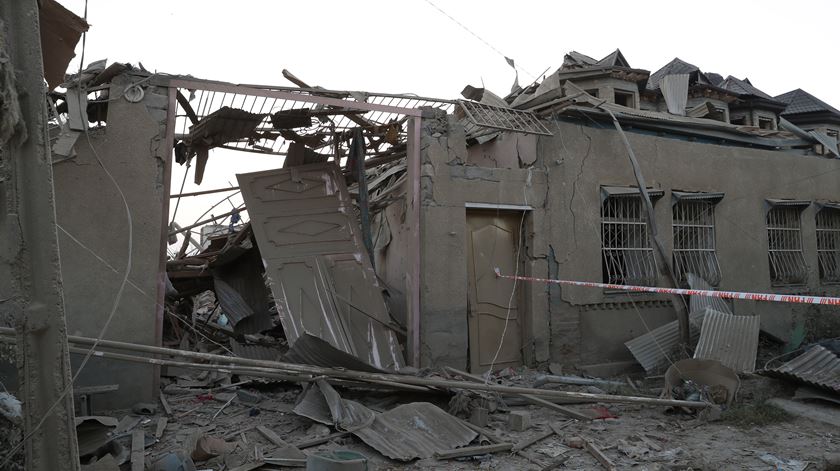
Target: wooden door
{"points": [[492, 238]]}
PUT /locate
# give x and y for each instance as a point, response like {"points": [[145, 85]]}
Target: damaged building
{"points": [[536, 184], [428, 245]]}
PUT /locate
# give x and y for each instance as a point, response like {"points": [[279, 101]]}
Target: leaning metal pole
{"points": [[42, 353]]}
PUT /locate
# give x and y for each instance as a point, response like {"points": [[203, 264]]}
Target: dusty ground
{"points": [[641, 437]]}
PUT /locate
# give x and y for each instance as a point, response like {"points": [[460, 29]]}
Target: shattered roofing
{"points": [[799, 101], [743, 87], [676, 66], [575, 58]]}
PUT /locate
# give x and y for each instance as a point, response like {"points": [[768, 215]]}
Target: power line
{"points": [[507, 59]]}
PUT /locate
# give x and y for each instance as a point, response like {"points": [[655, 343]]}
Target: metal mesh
{"points": [[625, 244], [828, 244], [480, 116], [784, 235], [694, 241], [321, 132]]}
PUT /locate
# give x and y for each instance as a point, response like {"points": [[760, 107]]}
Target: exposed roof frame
{"points": [[288, 95]]}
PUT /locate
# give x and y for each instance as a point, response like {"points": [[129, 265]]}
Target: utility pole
{"points": [[28, 216]]}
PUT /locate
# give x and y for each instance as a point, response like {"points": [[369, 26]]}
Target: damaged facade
{"points": [[412, 244], [567, 206], [536, 184]]}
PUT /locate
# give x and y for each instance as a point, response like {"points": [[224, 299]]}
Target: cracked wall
{"points": [[93, 237], [595, 156], [450, 184], [560, 177]]}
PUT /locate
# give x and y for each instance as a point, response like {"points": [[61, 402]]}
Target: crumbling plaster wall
{"points": [[595, 156], [448, 184], [391, 233], [90, 210]]}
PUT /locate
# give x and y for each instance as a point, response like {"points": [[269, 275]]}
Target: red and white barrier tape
{"points": [[775, 298]]}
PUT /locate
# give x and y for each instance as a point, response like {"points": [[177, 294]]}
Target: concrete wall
{"points": [[585, 326], [597, 157], [90, 210]]}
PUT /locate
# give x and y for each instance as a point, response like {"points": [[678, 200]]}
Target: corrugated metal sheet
{"points": [[409, 431], [321, 278], [816, 367], [311, 350], [233, 306], [674, 89], [653, 349], [242, 272], [731, 340], [255, 352], [700, 303]]}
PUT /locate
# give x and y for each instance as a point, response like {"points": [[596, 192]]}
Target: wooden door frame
{"points": [[521, 301]]}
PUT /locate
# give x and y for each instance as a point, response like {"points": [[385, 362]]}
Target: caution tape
{"points": [[773, 298]]}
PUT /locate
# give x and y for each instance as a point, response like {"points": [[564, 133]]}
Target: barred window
{"points": [[784, 236], [828, 243], [627, 254], [694, 237]]}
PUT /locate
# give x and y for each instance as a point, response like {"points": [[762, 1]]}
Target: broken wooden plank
{"points": [[318, 441], [166, 407], [161, 426], [138, 445], [599, 455], [522, 444], [528, 397], [302, 373], [285, 448], [537, 401], [473, 451]]}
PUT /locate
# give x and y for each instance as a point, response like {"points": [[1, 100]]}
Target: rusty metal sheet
{"points": [[409, 431], [318, 271], [818, 367], [731, 340]]}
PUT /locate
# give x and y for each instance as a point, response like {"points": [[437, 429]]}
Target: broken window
{"points": [[694, 236], [828, 243], [766, 123], [784, 236], [593, 92], [624, 99], [739, 120], [627, 254]]}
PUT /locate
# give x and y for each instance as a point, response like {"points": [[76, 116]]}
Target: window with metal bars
{"points": [[627, 254], [828, 244], [694, 240], [784, 236]]}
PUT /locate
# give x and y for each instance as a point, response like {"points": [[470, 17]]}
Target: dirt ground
{"points": [[748, 437]]}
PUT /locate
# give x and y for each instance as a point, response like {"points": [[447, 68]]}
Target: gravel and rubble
{"points": [[630, 436]]}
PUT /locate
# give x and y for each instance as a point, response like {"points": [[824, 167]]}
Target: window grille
{"points": [[694, 241], [828, 244], [784, 234], [625, 243]]}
